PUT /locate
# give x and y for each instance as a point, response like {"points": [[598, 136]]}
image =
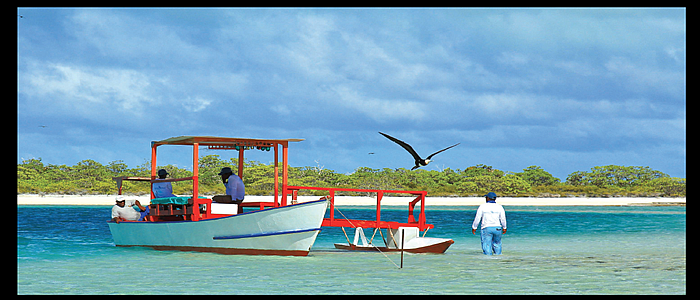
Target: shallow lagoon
{"points": [[547, 250]]}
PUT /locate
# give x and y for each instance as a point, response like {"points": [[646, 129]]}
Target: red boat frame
{"points": [[377, 223], [243, 144]]}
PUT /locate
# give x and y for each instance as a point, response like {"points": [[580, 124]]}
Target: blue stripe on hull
{"points": [[243, 236]]}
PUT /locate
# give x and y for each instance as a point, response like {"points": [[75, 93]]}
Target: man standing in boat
{"points": [[235, 191], [493, 224]]}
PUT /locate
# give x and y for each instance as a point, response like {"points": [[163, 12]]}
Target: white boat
{"points": [[403, 238], [284, 230], [197, 223]]}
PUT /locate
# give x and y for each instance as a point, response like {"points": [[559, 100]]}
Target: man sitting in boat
{"points": [[122, 212], [235, 191], [163, 189]]}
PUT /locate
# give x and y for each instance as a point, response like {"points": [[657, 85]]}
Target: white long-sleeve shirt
{"points": [[490, 215]]}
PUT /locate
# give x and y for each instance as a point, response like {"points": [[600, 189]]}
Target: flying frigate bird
{"points": [[419, 161]]}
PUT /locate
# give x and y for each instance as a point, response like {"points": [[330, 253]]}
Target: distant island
{"points": [[89, 177]]}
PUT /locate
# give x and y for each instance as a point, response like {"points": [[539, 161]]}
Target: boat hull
{"points": [[419, 245], [286, 230]]}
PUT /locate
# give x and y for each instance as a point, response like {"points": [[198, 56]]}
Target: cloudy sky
{"points": [[564, 89]]}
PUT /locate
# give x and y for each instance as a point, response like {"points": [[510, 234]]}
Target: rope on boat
{"points": [[353, 226]]}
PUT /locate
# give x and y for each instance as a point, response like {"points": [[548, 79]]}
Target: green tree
{"points": [[614, 176], [91, 177], [259, 178], [30, 176], [117, 168], [511, 184], [536, 176], [485, 178], [209, 168], [577, 178], [368, 178], [667, 186], [59, 180]]}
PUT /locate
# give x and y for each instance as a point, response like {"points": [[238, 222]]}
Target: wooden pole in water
{"points": [[402, 236], [346, 236]]}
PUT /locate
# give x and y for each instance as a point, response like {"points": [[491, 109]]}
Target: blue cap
{"points": [[491, 195]]}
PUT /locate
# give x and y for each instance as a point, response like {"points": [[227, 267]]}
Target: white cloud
{"points": [[75, 86], [513, 59], [310, 51], [380, 110], [140, 40], [576, 67], [229, 83], [281, 109], [643, 78], [504, 106], [677, 54], [196, 104]]}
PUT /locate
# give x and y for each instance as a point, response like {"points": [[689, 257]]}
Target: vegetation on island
{"points": [[91, 177]]}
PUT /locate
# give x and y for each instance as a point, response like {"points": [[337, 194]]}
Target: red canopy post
{"points": [[276, 177], [153, 166], [284, 173], [240, 162]]}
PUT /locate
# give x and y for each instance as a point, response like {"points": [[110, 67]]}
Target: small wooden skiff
{"points": [[411, 242]]}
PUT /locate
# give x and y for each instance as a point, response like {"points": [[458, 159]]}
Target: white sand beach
{"points": [[388, 201]]}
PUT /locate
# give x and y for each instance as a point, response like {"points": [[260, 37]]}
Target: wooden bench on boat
{"points": [[174, 207]]}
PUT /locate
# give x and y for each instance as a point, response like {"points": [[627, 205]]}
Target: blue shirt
{"points": [[234, 187], [163, 189]]}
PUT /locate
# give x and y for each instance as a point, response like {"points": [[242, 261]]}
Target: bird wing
{"points": [[431, 155], [404, 145]]}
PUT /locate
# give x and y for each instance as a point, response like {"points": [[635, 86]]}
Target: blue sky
{"points": [[564, 89]]}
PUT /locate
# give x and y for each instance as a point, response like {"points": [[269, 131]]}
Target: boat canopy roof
{"points": [[220, 141]]}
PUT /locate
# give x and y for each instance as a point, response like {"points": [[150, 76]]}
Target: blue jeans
{"points": [[145, 213], [491, 240]]}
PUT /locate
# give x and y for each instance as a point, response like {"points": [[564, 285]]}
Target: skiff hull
{"points": [[416, 245], [286, 230]]}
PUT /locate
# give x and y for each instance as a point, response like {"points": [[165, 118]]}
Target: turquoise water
{"points": [[547, 250]]}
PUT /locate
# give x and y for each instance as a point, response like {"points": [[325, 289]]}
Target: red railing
{"points": [[378, 223]]}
